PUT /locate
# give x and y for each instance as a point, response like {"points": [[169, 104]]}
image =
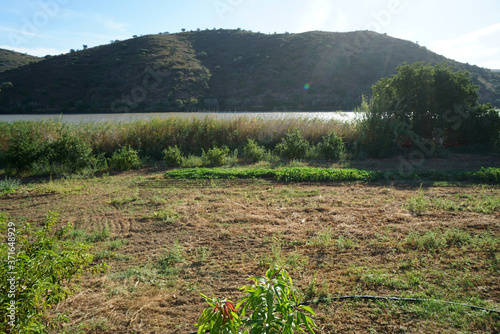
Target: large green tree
{"points": [[427, 103]]}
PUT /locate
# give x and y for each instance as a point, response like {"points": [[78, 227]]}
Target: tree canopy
{"points": [[423, 102]]}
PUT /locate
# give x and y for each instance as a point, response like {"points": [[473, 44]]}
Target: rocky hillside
{"points": [[11, 59]]}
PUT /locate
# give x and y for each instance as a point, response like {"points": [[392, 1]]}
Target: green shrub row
{"points": [[292, 146], [52, 147], [308, 174]]}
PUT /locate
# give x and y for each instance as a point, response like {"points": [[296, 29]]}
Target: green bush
{"points": [[24, 150], [332, 147], [125, 158], [173, 156], [45, 263], [28, 149], [293, 146], [215, 156], [253, 152], [67, 151]]}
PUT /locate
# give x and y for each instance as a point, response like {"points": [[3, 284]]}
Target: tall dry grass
{"points": [[151, 137]]}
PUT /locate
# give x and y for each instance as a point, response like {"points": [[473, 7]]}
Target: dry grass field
{"points": [[167, 241]]}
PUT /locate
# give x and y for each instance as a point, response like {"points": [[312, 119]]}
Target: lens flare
{"points": [[306, 86]]}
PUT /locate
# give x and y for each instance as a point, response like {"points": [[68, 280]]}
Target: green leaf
{"points": [[307, 309]]}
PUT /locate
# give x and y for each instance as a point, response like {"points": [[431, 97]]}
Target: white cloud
{"points": [[479, 47], [39, 52]]}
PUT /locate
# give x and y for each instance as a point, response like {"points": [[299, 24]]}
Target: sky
{"points": [[466, 31]]}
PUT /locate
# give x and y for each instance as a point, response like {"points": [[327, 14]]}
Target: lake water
{"points": [[130, 117]]}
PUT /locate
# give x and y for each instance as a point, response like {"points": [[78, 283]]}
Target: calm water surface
{"points": [[130, 117]]}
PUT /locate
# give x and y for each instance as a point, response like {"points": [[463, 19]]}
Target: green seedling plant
{"points": [[220, 317], [271, 305]]}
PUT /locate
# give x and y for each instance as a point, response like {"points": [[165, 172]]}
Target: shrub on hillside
{"points": [[293, 146], [125, 158]]}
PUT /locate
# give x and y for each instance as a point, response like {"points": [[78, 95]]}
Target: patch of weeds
{"points": [[344, 243], [375, 277], [486, 203], [192, 161], [494, 262], [60, 187], [480, 203], [315, 290], [264, 260], [116, 244], [202, 254], [454, 237], [295, 261], [77, 235], [168, 216], [232, 159], [101, 235], [157, 200], [121, 201], [166, 266], [323, 239], [99, 324], [9, 185], [487, 242], [144, 274], [104, 254], [430, 240], [292, 261], [417, 204], [114, 292]]}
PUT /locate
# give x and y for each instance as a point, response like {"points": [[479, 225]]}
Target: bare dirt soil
{"points": [[168, 241]]}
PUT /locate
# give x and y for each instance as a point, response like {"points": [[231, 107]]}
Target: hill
{"points": [[221, 70], [11, 59]]}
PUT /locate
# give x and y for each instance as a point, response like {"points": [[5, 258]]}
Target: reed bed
{"points": [[192, 136]]}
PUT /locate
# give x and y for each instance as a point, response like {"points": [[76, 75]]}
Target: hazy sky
{"points": [[467, 31]]}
